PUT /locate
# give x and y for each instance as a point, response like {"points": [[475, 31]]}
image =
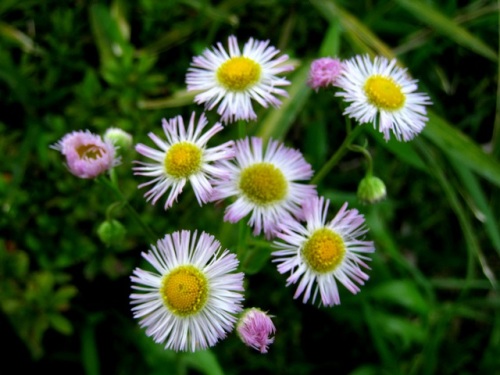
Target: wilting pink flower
{"points": [[324, 72], [255, 329], [87, 155]]}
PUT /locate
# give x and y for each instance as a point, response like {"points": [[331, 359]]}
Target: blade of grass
{"points": [[21, 39], [420, 37], [107, 33], [90, 357], [461, 148], [495, 142], [331, 42], [446, 26], [485, 213], [405, 151], [472, 242], [277, 123], [355, 28], [222, 13], [385, 241], [382, 348], [178, 99]]}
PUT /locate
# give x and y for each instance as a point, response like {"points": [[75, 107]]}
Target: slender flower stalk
{"points": [[112, 186], [337, 156]]}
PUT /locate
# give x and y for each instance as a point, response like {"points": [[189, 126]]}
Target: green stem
{"points": [[242, 239], [495, 141], [153, 237], [337, 155], [368, 157], [242, 129]]}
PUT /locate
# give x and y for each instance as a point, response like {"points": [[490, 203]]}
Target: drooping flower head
{"points": [[182, 156], [256, 329], [371, 189], [232, 80], [319, 253], [264, 183], [87, 155], [382, 93], [192, 298], [324, 73]]}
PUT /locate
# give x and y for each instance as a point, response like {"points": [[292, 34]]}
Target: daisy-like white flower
{"points": [[181, 157], [256, 329], [265, 184], [382, 93], [232, 80], [324, 73], [87, 155], [193, 297], [319, 253]]}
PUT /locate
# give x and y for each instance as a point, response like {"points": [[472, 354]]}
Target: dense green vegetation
{"points": [[431, 305]]}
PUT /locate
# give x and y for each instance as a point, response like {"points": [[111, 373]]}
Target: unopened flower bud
{"points": [[87, 155], [324, 73], [111, 232], [255, 329], [371, 189], [119, 137]]}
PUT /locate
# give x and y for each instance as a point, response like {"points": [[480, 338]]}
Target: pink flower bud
{"points": [[255, 329], [87, 155], [324, 72]]}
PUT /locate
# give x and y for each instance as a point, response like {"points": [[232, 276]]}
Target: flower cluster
{"points": [[194, 296]]}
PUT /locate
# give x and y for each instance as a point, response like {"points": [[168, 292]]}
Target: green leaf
{"points": [[446, 26], [63, 295], [60, 324], [204, 361]]}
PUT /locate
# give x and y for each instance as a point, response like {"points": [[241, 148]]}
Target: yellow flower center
{"points": [[324, 250], [384, 93], [90, 152], [183, 159], [263, 183], [185, 290], [238, 73]]}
